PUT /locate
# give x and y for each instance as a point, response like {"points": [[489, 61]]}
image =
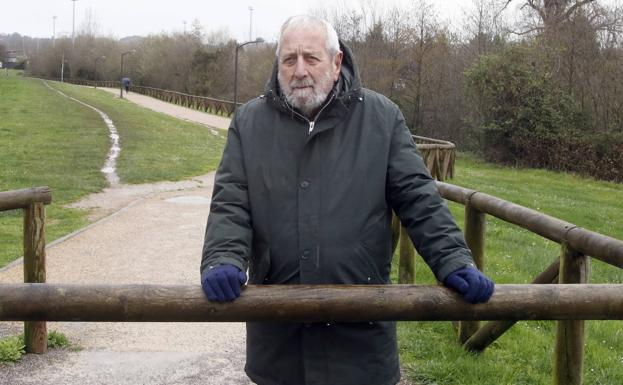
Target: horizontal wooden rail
{"points": [[304, 303], [20, 199], [602, 247]]}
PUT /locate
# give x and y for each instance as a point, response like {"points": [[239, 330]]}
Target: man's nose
{"points": [[300, 70]]}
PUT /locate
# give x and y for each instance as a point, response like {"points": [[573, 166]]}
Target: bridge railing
{"points": [[32, 201]]}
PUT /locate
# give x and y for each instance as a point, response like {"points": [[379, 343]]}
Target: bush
{"points": [[521, 117], [11, 348]]}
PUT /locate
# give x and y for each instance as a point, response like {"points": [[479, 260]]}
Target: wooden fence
{"points": [[570, 302], [201, 103], [33, 202], [571, 267]]}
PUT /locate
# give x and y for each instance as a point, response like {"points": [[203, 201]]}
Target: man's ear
{"points": [[337, 65]]}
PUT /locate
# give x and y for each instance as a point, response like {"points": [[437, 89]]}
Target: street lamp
{"points": [[102, 58], [121, 72], [53, 31], [73, 24], [238, 46]]}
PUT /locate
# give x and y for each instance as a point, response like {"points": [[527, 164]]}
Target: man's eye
{"points": [[289, 61]]}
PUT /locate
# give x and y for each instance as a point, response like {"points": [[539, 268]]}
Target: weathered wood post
{"points": [[35, 332], [569, 350], [475, 238], [406, 269]]}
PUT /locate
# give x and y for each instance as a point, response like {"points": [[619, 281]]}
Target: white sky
{"points": [[120, 18]]}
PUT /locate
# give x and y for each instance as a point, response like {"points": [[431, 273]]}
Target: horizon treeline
{"points": [[542, 90]]}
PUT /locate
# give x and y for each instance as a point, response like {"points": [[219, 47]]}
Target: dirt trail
{"points": [[148, 233]]}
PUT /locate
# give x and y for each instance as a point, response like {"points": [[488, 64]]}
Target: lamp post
{"points": [[121, 72], [102, 58], [238, 46], [53, 31], [73, 24]]}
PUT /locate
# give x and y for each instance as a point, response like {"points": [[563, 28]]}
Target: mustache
{"points": [[301, 83]]}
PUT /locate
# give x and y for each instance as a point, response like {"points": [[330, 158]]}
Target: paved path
{"points": [[148, 234], [174, 110]]}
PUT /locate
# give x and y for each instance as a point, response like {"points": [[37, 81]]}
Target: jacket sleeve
{"points": [[229, 230], [413, 195]]}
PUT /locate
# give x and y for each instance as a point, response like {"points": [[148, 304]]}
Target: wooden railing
{"points": [[439, 156], [571, 267], [570, 302], [305, 303], [201, 103], [33, 202]]}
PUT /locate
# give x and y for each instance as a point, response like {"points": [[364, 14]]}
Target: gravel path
{"points": [[174, 110]]}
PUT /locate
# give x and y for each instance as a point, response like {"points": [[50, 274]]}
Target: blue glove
{"points": [[222, 283], [473, 285]]}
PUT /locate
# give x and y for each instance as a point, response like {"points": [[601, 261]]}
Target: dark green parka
{"points": [[315, 208]]}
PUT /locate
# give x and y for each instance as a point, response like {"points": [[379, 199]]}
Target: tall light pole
{"points": [[121, 72], [63, 67], [238, 46], [102, 58], [53, 31], [73, 24], [250, 23]]}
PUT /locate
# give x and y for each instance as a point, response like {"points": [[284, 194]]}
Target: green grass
{"points": [[50, 140], [524, 355], [12, 348], [46, 140], [154, 146]]}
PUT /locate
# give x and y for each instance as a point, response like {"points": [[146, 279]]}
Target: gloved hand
{"points": [[473, 285], [222, 283]]}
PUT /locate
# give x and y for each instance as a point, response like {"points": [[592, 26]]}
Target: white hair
{"points": [[305, 21]]}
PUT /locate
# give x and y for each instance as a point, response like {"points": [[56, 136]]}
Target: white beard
{"points": [[306, 99]]}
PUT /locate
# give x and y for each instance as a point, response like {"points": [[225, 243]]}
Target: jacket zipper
{"points": [[312, 123]]}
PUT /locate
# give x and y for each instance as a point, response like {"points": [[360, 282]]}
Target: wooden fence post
{"points": [[35, 332], [475, 238], [406, 269], [569, 350]]}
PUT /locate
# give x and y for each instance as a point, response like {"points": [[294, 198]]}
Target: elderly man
{"points": [[303, 195]]}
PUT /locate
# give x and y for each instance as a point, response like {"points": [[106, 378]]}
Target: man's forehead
{"points": [[303, 40]]}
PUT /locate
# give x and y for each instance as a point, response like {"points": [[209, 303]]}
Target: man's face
{"points": [[306, 71]]}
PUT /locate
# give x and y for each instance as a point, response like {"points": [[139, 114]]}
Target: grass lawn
{"points": [[154, 146], [524, 355], [50, 140]]}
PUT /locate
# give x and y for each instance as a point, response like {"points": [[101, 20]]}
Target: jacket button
{"points": [[304, 184], [305, 254]]}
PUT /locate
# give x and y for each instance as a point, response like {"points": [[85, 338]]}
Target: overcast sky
{"points": [[120, 18]]}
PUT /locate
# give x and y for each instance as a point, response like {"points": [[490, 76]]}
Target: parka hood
{"points": [[347, 86]]}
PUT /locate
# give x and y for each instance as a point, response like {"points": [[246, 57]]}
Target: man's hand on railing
{"points": [[473, 285], [222, 283]]}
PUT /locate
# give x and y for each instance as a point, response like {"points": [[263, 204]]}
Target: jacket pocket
{"points": [[259, 265]]}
